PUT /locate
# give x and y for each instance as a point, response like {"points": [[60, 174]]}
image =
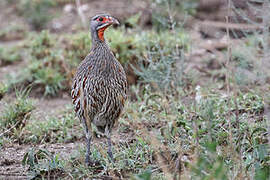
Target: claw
{"points": [[110, 154], [91, 163]]}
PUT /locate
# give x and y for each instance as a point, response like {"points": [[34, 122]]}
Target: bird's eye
{"points": [[100, 19]]}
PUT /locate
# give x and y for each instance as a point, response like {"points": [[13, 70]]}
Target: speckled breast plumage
{"points": [[99, 88]]}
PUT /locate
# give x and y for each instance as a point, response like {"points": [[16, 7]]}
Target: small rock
{"points": [[56, 25], [84, 7], [69, 8]]}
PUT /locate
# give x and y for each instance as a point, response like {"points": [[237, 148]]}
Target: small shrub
{"points": [[40, 45], [164, 63], [209, 164], [166, 11], [46, 67], [130, 157], [36, 12], [146, 175], [53, 61], [133, 21]]}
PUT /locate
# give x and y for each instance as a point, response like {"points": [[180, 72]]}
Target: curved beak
{"points": [[115, 21]]}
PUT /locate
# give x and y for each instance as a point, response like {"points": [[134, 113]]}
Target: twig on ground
{"points": [[12, 127]]}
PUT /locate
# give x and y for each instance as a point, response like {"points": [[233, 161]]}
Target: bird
{"points": [[99, 88]]}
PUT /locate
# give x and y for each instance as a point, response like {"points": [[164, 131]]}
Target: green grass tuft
{"points": [[9, 55], [63, 129], [3, 89], [16, 114]]}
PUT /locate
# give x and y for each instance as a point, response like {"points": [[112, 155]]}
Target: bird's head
{"points": [[99, 23]]}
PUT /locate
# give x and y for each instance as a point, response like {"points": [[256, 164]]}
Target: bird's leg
{"points": [[87, 127], [110, 149], [88, 134], [88, 161], [108, 135]]}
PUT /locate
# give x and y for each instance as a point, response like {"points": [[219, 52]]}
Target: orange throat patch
{"points": [[101, 33]]}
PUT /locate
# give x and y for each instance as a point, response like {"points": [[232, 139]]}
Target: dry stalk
{"points": [[228, 72], [14, 126], [231, 69], [228, 55], [81, 14]]}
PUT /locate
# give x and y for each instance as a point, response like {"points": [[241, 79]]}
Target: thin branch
{"points": [[243, 15], [228, 52], [12, 127], [236, 26]]}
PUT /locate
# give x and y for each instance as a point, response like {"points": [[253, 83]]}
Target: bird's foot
{"points": [[110, 154], [90, 162]]}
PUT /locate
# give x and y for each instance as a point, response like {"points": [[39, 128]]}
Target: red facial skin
{"points": [[101, 31]]}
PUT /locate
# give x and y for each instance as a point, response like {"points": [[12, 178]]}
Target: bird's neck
{"points": [[100, 46], [98, 37]]}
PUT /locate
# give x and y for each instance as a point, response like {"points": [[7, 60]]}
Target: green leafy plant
{"points": [[133, 20], [146, 175], [209, 165], [130, 157], [3, 89], [53, 60], [206, 131]]}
